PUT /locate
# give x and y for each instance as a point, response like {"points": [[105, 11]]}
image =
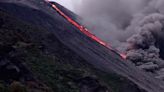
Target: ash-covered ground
{"points": [[60, 40]]}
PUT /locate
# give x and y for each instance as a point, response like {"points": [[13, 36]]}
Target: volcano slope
{"points": [[49, 53]]}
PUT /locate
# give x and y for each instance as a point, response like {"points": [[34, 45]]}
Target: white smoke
{"points": [[134, 26]]}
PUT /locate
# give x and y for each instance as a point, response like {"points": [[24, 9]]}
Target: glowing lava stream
{"points": [[86, 31]]}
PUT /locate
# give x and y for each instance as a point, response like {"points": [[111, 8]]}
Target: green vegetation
{"points": [[17, 87], [62, 77], [57, 72], [58, 77], [3, 88]]}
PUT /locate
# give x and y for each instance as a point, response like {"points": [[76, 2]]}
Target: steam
{"points": [[132, 26]]}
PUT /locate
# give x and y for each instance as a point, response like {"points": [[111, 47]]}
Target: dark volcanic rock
{"points": [[69, 37], [90, 84], [9, 72]]}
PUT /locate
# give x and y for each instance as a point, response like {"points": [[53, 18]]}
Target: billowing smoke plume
{"points": [[133, 26], [109, 18], [142, 45]]}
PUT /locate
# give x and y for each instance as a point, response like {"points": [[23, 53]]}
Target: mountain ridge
{"points": [[75, 38]]}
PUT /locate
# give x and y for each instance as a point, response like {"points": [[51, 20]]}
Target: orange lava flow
{"points": [[86, 31]]}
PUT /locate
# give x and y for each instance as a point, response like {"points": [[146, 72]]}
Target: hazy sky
{"points": [[67, 3]]}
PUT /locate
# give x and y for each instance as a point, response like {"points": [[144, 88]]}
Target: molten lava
{"points": [[86, 31]]}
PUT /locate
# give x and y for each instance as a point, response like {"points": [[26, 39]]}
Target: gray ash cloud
{"points": [[132, 26]]}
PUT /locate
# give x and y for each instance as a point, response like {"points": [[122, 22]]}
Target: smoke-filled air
{"points": [[135, 27]]}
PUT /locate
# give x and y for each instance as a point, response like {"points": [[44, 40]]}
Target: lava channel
{"points": [[86, 31]]}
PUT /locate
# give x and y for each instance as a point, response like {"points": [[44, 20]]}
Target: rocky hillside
{"points": [[26, 65]]}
